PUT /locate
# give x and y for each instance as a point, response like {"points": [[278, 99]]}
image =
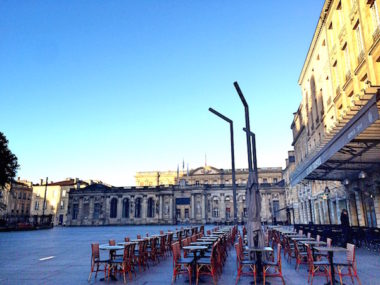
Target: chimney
{"points": [[41, 181]]}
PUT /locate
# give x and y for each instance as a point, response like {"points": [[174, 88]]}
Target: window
{"points": [[276, 207], [113, 212], [24, 196], [178, 213], [36, 205], [96, 210], [245, 212], [215, 212], [126, 208], [138, 208], [62, 205], [375, 16], [197, 182], [228, 213], [274, 180], [265, 180], [63, 193], [359, 39], [347, 59], [75, 211], [186, 213], [19, 195], [150, 210]]}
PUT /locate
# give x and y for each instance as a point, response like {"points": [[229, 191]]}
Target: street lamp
{"points": [[228, 120]]}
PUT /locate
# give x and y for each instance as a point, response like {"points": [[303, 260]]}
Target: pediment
{"points": [[205, 170]]}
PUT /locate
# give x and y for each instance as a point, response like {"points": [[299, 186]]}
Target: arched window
{"points": [[113, 212], [138, 208], [126, 208], [150, 213]]}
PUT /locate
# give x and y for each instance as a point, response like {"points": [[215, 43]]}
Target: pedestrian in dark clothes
{"points": [[345, 223]]}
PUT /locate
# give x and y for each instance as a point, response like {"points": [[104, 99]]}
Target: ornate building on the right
{"points": [[336, 128]]}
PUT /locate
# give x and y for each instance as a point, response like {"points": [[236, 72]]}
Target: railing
{"points": [[376, 34], [361, 57], [337, 91]]}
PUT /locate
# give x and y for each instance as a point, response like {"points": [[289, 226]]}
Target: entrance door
{"points": [[60, 222]]}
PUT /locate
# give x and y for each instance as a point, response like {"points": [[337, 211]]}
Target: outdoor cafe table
{"points": [[302, 239], [312, 244], [112, 249], [194, 249], [330, 250], [205, 243], [259, 251], [126, 243]]}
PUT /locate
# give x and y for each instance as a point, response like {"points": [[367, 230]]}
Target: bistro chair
{"points": [[350, 264], [96, 262], [121, 265], [301, 256], [127, 239], [276, 265], [244, 263], [152, 250], [112, 242], [181, 265], [317, 268], [207, 266]]}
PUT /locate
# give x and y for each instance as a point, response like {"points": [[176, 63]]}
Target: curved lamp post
{"points": [[228, 120]]}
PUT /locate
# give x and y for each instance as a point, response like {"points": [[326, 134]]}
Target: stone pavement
{"points": [[20, 254]]}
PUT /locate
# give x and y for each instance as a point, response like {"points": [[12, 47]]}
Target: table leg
{"points": [[259, 275]]}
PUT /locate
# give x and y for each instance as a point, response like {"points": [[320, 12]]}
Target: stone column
{"points": [[337, 212], [91, 210], [80, 210], [315, 213], [321, 218], [171, 209], [119, 208], [192, 205], [222, 216], [161, 208], [360, 213], [204, 208], [376, 202], [144, 208]]}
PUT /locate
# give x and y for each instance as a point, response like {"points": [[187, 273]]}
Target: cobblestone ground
{"points": [[20, 254]]}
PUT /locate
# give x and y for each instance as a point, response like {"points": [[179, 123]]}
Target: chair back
{"points": [[112, 242], [318, 238], [95, 251], [126, 253], [279, 256], [310, 258], [138, 236], [350, 253], [161, 232], [147, 234], [127, 239], [208, 232], [329, 242]]}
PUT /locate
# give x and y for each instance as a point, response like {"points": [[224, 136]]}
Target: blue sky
{"points": [[103, 89]]}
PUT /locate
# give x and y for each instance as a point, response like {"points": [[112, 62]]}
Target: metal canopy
{"points": [[352, 146]]}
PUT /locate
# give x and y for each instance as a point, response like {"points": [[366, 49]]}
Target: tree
{"points": [[8, 164]]}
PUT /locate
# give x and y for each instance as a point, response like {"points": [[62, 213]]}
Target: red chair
{"points": [[96, 262], [121, 265], [242, 263], [207, 266], [127, 239], [301, 256], [350, 265], [276, 265], [180, 265], [317, 268]]}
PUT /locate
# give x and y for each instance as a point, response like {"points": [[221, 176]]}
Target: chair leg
{"points": [[89, 277]]}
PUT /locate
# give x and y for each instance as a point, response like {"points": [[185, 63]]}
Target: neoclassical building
{"points": [[188, 202], [336, 128]]}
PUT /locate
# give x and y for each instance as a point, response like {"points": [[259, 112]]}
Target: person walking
{"points": [[345, 223]]}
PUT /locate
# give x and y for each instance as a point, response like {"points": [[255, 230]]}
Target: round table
{"points": [[259, 251], [112, 249]]}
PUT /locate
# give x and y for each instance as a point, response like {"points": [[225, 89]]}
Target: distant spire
{"points": [[183, 164], [178, 173], [187, 172], [205, 160]]}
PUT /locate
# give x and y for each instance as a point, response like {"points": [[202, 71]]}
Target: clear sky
{"points": [[103, 89]]}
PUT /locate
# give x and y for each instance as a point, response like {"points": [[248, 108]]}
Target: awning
{"points": [[352, 147]]}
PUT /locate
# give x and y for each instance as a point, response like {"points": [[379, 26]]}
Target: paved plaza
{"points": [[69, 262]]}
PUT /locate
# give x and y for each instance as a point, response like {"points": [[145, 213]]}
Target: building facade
{"points": [[204, 195], [102, 205], [336, 129], [56, 197]]}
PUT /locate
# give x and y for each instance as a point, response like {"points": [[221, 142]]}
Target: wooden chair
{"points": [[276, 265], [244, 263], [180, 265], [301, 256], [96, 262], [350, 264], [121, 265], [317, 268], [207, 266]]}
